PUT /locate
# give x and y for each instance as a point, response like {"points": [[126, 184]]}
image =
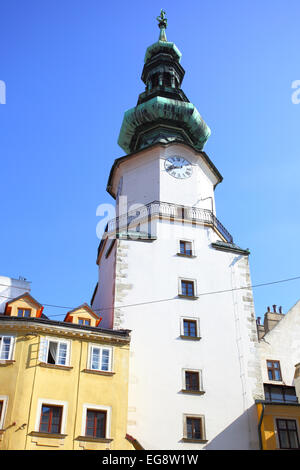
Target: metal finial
{"points": [[162, 24]]}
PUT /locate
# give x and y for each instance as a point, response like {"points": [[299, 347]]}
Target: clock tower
{"points": [[170, 272]]}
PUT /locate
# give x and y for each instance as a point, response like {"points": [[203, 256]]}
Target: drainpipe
{"points": [[259, 427]]}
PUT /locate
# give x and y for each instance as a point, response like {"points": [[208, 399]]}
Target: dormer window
{"points": [[83, 316], [24, 306]]}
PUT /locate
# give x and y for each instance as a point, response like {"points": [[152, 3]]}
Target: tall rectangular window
{"points": [[287, 433], [96, 423], [274, 372], [187, 288], [194, 428], [6, 347], [190, 328], [100, 358], [192, 382], [50, 421]]}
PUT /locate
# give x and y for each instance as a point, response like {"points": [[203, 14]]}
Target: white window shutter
{"points": [[11, 349], [43, 350], [68, 353]]}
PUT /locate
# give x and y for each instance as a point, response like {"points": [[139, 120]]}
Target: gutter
{"points": [[134, 442], [259, 427]]}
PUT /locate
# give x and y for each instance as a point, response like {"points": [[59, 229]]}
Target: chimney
{"points": [[297, 380], [272, 318], [260, 328]]}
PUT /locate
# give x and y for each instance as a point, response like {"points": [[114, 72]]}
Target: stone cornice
{"points": [[41, 327]]}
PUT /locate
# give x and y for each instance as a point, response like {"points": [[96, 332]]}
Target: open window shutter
{"points": [[11, 349], [68, 353], [43, 350]]}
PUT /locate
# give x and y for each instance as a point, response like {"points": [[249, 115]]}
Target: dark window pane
{"points": [[284, 441], [187, 288], [290, 396], [193, 428], [276, 395], [96, 423], [192, 380], [50, 419], [293, 440], [270, 375], [189, 328], [291, 425], [287, 432], [52, 353], [277, 375]]}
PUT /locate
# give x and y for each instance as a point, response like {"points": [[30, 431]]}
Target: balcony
{"points": [[170, 212], [280, 394]]}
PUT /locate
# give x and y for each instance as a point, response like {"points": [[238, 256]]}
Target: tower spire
{"points": [[163, 112], [162, 24]]}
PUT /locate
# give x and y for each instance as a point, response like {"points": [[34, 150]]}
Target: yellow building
{"points": [[63, 385], [279, 413], [278, 425]]}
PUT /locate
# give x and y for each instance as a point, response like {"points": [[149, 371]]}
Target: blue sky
{"points": [[72, 68]]}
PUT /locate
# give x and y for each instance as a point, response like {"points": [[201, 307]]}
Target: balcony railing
{"points": [[280, 393], [169, 211]]}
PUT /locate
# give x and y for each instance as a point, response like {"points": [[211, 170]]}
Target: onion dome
{"points": [[163, 113]]}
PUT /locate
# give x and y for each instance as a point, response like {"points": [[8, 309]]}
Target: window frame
{"points": [[90, 406], [84, 319], [281, 389], [193, 416], [4, 401], [44, 350], [185, 254], [105, 423], [101, 347], [195, 320], [278, 437], [11, 347], [24, 310], [188, 281], [199, 390], [273, 369], [50, 402], [51, 406]]}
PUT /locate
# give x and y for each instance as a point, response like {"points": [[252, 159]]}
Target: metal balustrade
{"points": [[171, 211]]}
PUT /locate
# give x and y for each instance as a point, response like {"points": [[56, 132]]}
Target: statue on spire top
{"points": [[162, 24]]}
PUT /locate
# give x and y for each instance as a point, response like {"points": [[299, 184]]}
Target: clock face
{"points": [[178, 167]]}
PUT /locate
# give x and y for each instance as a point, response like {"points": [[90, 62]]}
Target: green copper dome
{"points": [[163, 112]]}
